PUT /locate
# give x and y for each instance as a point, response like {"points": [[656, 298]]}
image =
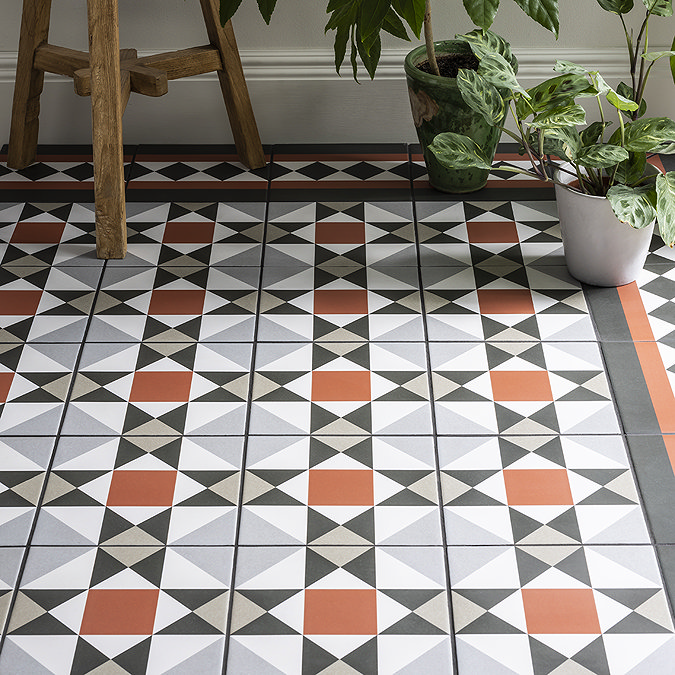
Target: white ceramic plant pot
{"points": [[599, 249]]}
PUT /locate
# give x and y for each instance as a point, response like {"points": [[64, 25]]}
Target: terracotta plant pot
{"points": [[599, 249], [437, 106]]}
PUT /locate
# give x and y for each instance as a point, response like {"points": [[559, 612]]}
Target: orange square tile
{"points": [[142, 488], [168, 301], [521, 385], [188, 233], [338, 385], [340, 233], [19, 303], [5, 385], [151, 386], [492, 233], [37, 233], [560, 611], [337, 487], [120, 612], [537, 486], [505, 301], [347, 301], [340, 612]]}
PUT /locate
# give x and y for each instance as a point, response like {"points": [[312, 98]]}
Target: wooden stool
{"points": [[109, 75]]}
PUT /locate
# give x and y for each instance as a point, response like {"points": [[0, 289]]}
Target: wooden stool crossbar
{"points": [[109, 74]]}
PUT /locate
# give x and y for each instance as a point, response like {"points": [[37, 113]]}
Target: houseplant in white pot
{"points": [[603, 170], [435, 100]]}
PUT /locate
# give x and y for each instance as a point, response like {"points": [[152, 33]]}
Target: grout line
{"points": [[247, 424], [439, 487], [48, 468]]}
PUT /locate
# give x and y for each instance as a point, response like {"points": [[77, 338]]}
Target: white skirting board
{"points": [[297, 98]]}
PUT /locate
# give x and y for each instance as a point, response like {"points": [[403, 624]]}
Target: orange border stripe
{"points": [[634, 311], [658, 384]]}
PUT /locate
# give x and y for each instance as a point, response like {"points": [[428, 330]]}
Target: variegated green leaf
{"points": [[565, 116], [631, 170], [562, 66], [481, 96], [646, 135], [659, 7], [558, 91], [665, 206], [484, 42], [621, 102], [563, 142], [592, 133], [496, 70], [616, 6], [455, 151], [627, 91], [654, 56], [601, 156], [632, 205]]}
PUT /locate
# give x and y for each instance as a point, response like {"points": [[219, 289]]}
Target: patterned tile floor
{"points": [[324, 419]]}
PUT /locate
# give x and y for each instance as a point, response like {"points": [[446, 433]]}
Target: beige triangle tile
{"points": [[214, 611], [171, 335], [244, 612], [59, 387], [30, 489], [238, 387], [83, 386], [435, 611], [340, 555], [546, 535], [134, 536], [551, 555], [154, 427], [418, 385], [57, 487], [655, 609], [426, 487], [464, 611], [248, 302], [341, 426], [254, 487], [452, 488], [25, 610], [130, 555], [228, 488], [340, 536]]}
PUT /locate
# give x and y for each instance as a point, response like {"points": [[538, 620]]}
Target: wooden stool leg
{"points": [[233, 86], [106, 109], [23, 135]]}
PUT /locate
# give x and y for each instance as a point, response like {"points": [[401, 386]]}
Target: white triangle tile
{"points": [[554, 578], [339, 645], [186, 520], [168, 611], [283, 652], [493, 519], [389, 612], [569, 644], [512, 611], [292, 520], [53, 652], [70, 613], [178, 572], [511, 651], [74, 574], [626, 652], [113, 645], [291, 611], [339, 579]]}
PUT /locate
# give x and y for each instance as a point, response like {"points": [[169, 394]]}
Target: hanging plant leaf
{"points": [[665, 205], [498, 71], [646, 135], [558, 91], [455, 151], [412, 12], [659, 7], [616, 6], [481, 96], [482, 12], [544, 12], [565, 116], [632, 205], [601, 156]]}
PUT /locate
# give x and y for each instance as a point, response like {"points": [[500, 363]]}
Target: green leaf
{"points": [[562, 66], [646, 135], [665, 206], [592, 133], [632, 169], [659, 7], [228, 9], [601, 156], [266, 8], [455, 151], [372, 15], [369, 52], [481, 96], [557, 91], [498, 71], [565, 116], [484, 42], [616, 6], [672, 61], [632, 205], [620, 102], [340, 46], [564, 142], [412, 12], [394, 26], [654, 56], [544, 12], [627, 91], [481, 12]]}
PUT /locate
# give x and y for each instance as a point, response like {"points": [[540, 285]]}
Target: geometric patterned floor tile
{"points": [[521, 388], [488, 234], [40, 235], [505, 304], [175, 304], [539, 490], [10, 562], [328, 490], [340, 234], [340, 304], [193, 234], [121, 610], [42, 304], [34, 383], [23, 461], [142, 491], [350, 609], [657, 291], [162, 389], [536, 610], [340, 388]]}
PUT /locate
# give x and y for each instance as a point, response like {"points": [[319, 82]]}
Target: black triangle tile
{"points": [[567, 523], [413, 625], [544, 659], [593, 657], [135, 660], [317, 566], [315, 659], [489, 624], [575, 566], [190, 625], [487, 598], [49, 599], [363, 659], [86, 658], [363, 566], [522, 526]]}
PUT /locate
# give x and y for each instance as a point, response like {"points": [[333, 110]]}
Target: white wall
{"points": [[296, 94]]}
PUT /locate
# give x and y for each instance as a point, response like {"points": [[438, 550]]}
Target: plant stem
{"points": [[429, 39]]}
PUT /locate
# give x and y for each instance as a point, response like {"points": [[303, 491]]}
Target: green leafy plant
{"points": [[358, 24], [551, 126]]}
